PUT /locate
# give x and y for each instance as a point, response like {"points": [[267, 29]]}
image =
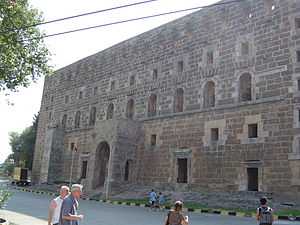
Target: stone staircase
{"points": [[234, 200], [223, 200]]}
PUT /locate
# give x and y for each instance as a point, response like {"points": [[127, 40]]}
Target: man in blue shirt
{"points": [[152, 198], [68, 213]]}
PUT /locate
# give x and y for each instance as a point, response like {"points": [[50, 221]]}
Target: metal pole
{"points": [[71, 169]]}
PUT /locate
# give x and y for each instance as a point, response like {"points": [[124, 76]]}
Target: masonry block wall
{"points": [[216, 94]]}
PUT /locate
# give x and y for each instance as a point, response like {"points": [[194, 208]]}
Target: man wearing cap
{"points": [[55, 206], [68, 214]]}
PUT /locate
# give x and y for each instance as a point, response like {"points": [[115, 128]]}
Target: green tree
{"points": [[23, 55], [15, 144], [23, 144], [8, 166]]}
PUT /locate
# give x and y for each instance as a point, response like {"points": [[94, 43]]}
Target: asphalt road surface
{"points": [[97, 213]]}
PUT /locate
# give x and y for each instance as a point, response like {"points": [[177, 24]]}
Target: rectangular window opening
{"points": [[132, 81], [214, 134], [113, 85], [252, 130], [180, 66], [297, 23], [83, 169], [155, 74], [252, 179], [210, 57], [182, 166], [80, 95], [245, 48], [298, 56], [66, 99], [95, 91], [153, 140], [298, 84]]}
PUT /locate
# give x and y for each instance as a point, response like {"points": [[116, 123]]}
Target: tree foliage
{"points": [[22, 145], [23, 55], [7, 167]]}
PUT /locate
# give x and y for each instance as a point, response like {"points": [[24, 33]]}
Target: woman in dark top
{"points": [[175, 217]]}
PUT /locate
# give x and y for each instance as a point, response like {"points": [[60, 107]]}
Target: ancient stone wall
{"points": [[216, 91]]}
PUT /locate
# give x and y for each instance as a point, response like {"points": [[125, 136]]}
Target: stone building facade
{"points": [[210, 101]]}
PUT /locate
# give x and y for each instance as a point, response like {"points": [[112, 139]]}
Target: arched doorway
{"points": [[101, 164]]}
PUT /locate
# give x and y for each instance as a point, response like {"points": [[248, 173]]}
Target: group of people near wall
{"points": [[156, 200], [63, 209]]}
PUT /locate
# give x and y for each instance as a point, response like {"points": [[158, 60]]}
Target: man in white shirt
{"points": [[55, 206]]}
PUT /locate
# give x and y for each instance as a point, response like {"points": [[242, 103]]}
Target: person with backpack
{"points": [[264, 213], [175, 216]]}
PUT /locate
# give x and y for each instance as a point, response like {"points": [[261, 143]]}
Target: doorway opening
{"points": [[84, 169], [182, 165], [252, 179], [101, 164]]}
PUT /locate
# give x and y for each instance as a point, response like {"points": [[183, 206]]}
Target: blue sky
{"points": [[69, 48]]}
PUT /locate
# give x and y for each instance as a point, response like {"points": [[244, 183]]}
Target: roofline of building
{"points": [[139, 36]]}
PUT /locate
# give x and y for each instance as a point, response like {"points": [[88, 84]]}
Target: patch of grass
{"points": [[194, 205], [133, 201], [246, 211], [288, 212]]}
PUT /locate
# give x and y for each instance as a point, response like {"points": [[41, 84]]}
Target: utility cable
{"points": [[82, 15], [138, 18]]}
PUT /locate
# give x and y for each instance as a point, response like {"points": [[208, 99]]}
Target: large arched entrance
{"points": [[101, 164]]}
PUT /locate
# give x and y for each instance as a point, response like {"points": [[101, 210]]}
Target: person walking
{"points": [[161, 200], [264, 213], [175, 216], [55, 206], [68, 214], [152, 198]]}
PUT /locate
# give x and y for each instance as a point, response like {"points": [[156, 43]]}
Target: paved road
{"points": [[97, 213]]}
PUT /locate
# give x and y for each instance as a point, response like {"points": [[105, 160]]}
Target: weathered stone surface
{"points": [[207, 46]]}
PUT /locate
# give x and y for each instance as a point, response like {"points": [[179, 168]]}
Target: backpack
{"points": [[265, 215]]}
